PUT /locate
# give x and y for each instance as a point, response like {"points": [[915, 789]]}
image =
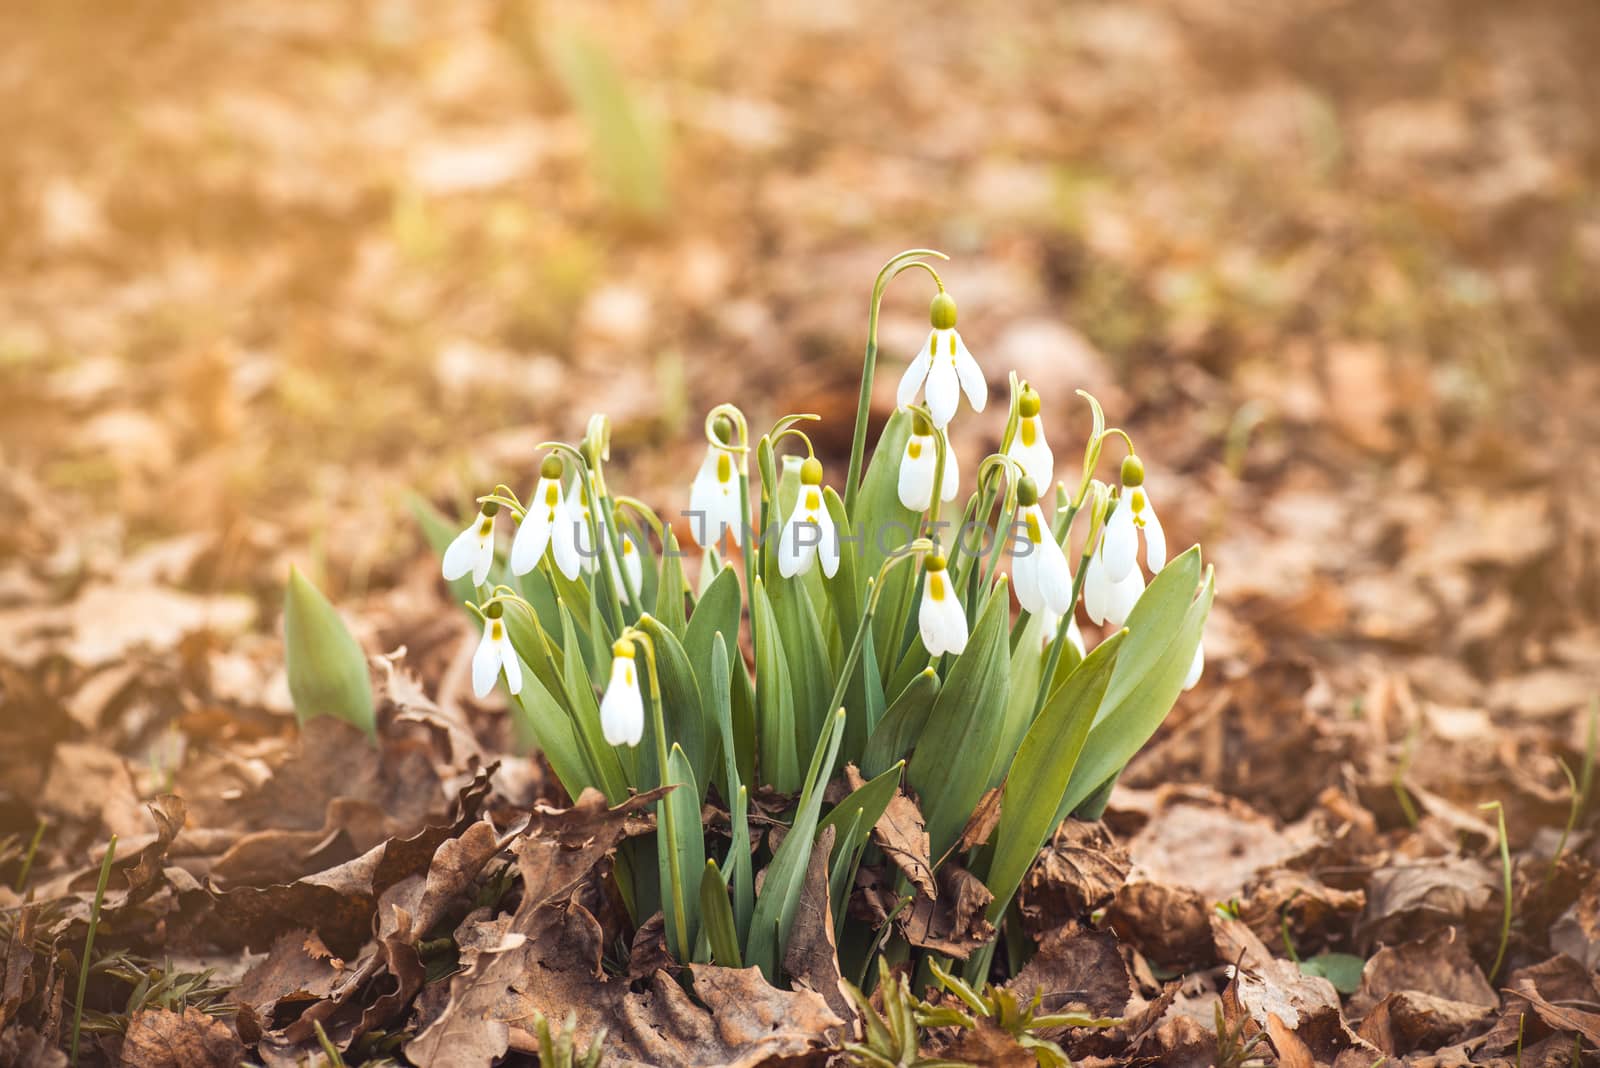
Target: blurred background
{"points": [[268, 268]]}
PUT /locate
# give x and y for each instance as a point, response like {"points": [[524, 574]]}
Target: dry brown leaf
{"points": [[985, 818], [953, 923], [902, 834], [1409, 899], [158, 1038], [293, 970], [1076, 967], [1264, 986], [1168, 924], [812, 957], [1078, 871]]}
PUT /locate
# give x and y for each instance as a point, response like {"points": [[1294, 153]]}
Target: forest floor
{"points": [[269, 269]]}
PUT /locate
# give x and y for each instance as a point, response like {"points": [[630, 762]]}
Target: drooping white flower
{"points": [[632, 564], [582, 532], [622, 707], [946, 366], [548, 526], [940, 619], [473, 549], [809, 532], [1029, 448], [1049, 621], [494, 655], [1197, 666], [1039, 569], [714, 500], [919, 465], [1105, 600], [710, 567], [1134, 513]]}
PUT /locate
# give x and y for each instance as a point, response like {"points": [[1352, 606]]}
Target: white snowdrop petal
{"points": [[564, 541], [1197, 666], [485, 662], [970, 374], [461, 554], [797, 548], [1155, 539], [1054, 576], [940, 620], [1025, 578], [1035, 458], [632, 562], [622, 707], [911, 381], [512, 666], [1124, 595], [944, 392], [952, 474], [1121, 543], [1075, 636], [532, 537], [705, 502], [828, 547], [1096, 589], [915, 482]]}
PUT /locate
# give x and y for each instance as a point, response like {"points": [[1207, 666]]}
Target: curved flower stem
{"points": [[663, 808], [645, 512], [741, 449], [858, 442], [1054, 659], [586, 481], [505, 498]]}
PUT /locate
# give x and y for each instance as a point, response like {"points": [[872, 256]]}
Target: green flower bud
{"points": [[1028, 403], [934, 562], [494, 610], [722, 427], [942, 312], [811, 472], [1027, 492], [552, 467], [921, 425], [491, 509], [1132, 471]]}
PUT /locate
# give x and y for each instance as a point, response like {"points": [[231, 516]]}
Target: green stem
{"points": [[88, 945], [858, 441], [27, 859], [1056, 643], [664, 807]]}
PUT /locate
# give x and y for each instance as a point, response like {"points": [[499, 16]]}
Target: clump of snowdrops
{"points": [[878, 602]]}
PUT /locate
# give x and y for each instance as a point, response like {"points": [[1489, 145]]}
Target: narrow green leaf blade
{"points": [[716, 915], [327, 669]]}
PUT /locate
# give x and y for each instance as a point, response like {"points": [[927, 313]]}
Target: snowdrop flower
{"points": [[940, 619], [549, 525], [918, 465], [1105, 599], [622, 707], [473, 549], [946, 365], [581, 531], [494, 655], [1050, 621], [714, 499], [809, 532], [1134, 513], [1197, 666], [1039, 568], [631, 563], [1029, 449]]}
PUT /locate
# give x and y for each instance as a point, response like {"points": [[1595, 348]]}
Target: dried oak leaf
{"points": [[23, 1047], [1076, 967], [1215, 844], [985, 818], [159, 1038], [1168, 924], [1077, 872], [1422, 995], [290, 972], [989, 1045], [1559, 981], [953, 923], [16, 966], [1576, 932], [1417, 897], [812, 958], [1264, 986], [137, 876], [1317, 914], [279, 855], [902, 834]]}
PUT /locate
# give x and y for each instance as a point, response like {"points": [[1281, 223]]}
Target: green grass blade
{"points": [[327, 669]]}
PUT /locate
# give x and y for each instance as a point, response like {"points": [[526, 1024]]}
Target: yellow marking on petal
{"points": [[485, 528], [552, 494], [914, 449], [1033, 529], [724, 467], [952, 344], [627, 546], [1138, 501], [497, 631], [936, 585], [627, 676], [813, 500], [933, 343], [1030, 431]]}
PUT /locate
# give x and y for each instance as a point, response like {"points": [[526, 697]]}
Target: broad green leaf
{"points": [[950, 768], [1027, 666], [885, 525], [603, 758], [806, 652], [775, 729], [716, 916], [780, 891], [327, 669], [669, 595], [740, 872], [681, 855], [1155, 620], [716, 620], [540, 720], [683, 707], [538, 654], [1130, 714], [1041, 771], [902, 725], [1343, 970]]}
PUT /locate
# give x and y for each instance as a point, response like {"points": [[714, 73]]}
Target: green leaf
{"points": [[717, 917], [672, 588], [1041, 771], [715, 621], [775, 731], [1027, 667], [1148, 677], [902, 725], [869, 802], [603, 758], [681, 854], [682, 704], [540, 719], [740, 871], [1343, 970], [886, 525], [327, 669], [780, 892], [950, 768]]}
